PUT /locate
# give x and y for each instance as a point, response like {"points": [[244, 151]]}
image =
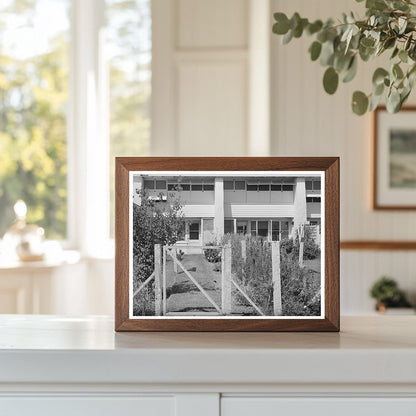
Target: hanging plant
{"points": [[389, 27]]}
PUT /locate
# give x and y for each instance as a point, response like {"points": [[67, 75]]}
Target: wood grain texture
{"points": [[378, 245], [330, 165], [376, 206]]}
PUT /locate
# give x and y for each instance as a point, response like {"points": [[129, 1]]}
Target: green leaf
{"points": [[374, 102], [395, 52], [393, 101], [408, 42], [359, 103], [315, 50], [314, 27], [376, 4], [330, 80], [288, 37], [327, 53], [403, 56], [379, 75], [397, 71], [281, 27], [351, 71]]}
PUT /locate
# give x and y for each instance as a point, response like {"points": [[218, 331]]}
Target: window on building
{"points": [[242, 227], [253, 228], [263, 187], [208, 187], [263, 228], [228, 226], [313, 199], [184, 187], [251, 187], [161, 185], [194, 231], [275, 230], [148, 184], [275, 187], [240, 185], [287, 188], [228, 185], [196, 187], [284, 233], [313, 185]]}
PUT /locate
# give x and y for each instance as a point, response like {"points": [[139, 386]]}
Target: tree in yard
{"points": [[153, 223]]}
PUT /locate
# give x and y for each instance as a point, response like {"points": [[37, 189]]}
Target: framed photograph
{"points": [[227, 244], [394, 178]]}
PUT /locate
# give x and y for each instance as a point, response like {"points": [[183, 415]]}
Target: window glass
{"points": [[197, 187], [194, 231], [285, 229], [263, 228], [129, 56], [172, 186], [308, 185], [253, 226], [287, 187], [184, 187], [317, 185], [228, 185], [275, 230], [149, 184], [160, 184], [228, 226], [33, 101], [208, 187], [242, 227], [240, 185], [276, 187], [264, 187], [251, 187]]}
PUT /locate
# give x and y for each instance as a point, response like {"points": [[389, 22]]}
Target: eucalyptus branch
{"points": [[388, 25]]}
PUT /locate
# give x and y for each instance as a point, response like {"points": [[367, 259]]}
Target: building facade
{"points": [[270, 207]]}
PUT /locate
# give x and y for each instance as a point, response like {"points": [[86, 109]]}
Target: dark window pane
{"points": [[240, 185], [251, 187], [242, 227], [208, 187], [263, 228], [149, 184], [194, 231], [276, 187], [309, 199], [253, 228], [197, 187], [228, 185], [160, 184], [184, 187], [172, 187], [228, 226], [308, 185], [285, 225], [287, 187], [317, 185], [275, 235], [275, 225], [264, 187]]}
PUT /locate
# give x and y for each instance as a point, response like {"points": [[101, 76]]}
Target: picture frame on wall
{"points": [[227, 244], [394, 159]]}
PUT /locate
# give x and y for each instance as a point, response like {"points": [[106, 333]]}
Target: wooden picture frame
{"points": [[295, 171], [390, 191]]}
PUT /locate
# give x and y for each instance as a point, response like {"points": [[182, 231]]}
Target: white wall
{"points": [[307, 122]]}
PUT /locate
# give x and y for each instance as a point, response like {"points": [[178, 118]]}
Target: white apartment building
{"points": [[270, 207]]}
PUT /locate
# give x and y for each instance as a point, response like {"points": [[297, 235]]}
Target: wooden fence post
{"points": [[175, 253], [277, 284], [226, 280], [158, 280], [244, 250]]}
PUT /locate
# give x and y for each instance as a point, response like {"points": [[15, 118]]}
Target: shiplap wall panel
{"points": [[212, 108], [305, 121], [212, 24]]}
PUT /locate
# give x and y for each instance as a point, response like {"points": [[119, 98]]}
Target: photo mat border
{"points": [[328, 165]]}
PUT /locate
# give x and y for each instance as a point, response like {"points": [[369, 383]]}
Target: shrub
{"points": [[387, 292], [213, 255]]}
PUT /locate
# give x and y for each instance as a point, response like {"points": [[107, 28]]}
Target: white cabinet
{"points": [[272, 406], [79, 366]]}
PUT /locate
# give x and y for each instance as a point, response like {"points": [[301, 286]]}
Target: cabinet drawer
{"points": [[273, 406], [87, 406]]}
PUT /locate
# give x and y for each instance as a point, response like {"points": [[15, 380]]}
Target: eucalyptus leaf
{"points": [[315, 50], [281, 27], [288, 37], [359, 103], [379, 75], [397, 71], [374, 102], [314, 27], [330, 80], [403, 56], [393, 101], [351, 71]]}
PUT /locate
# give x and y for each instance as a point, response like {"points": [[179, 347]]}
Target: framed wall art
{"points": [[227, 244], [394, 150]]}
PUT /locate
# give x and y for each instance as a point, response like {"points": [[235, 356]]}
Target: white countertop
{"points": [[52, 349]]}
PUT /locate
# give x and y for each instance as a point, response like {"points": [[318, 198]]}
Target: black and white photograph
{"points": [[226, 244]]}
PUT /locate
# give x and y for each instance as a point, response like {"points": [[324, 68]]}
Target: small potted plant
{"points": [[387, 294]]}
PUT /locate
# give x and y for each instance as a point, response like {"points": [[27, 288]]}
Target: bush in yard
{"points": [[153, 223], [213, 255]]}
